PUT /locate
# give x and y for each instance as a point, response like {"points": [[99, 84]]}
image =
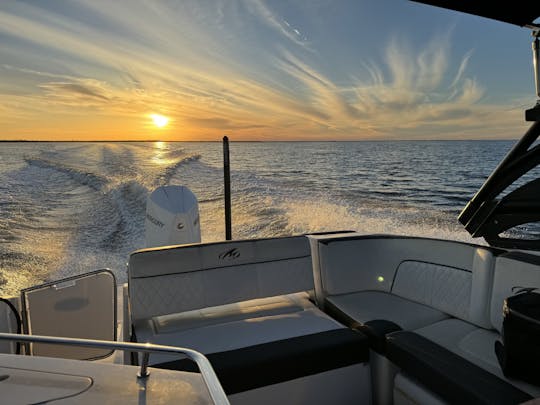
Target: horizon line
{"points": [[255, 141]]}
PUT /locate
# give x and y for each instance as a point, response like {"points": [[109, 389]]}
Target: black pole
{"points": [[227, 181]]}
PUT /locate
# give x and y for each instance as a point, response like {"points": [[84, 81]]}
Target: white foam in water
{"points": [[72, 208], [311, 216]]}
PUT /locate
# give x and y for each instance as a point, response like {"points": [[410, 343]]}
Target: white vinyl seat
{"points": [[222, 296], [238, 301], [475, 343], [410, 282], [365, 306], [221, 328]]}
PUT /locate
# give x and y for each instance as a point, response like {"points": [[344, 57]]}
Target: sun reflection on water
{"points": [[161, 150]]}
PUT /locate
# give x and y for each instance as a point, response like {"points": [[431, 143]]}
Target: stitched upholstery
{"points": [[351, 265], [444, 288], [172, 280], [449, 277], [187, 258]]}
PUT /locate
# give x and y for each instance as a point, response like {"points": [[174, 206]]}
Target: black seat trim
{"points": [[448, 375], [283, 360], [376, 332]]}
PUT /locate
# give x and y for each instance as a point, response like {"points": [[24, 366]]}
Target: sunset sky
{"points": [[259, 70]]}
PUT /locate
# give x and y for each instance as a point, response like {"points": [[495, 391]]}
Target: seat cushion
{"points": [[473, 344], [283, 360], [450, 376], [236, 330], [366, 306], [257, 308]]}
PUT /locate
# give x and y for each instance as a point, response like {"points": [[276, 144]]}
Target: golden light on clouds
{"points": [[80, 75], [159, 120]]}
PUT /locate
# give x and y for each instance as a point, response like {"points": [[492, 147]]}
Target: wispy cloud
{"points": [[199, 64], [282, 26], [462, 67], [77, 90]]}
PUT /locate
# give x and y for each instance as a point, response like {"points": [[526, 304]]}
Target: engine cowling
{"points": [[172, 217]]}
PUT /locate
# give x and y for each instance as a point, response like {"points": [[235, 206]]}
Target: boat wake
{"points": [[71, 208], [92, 180]]}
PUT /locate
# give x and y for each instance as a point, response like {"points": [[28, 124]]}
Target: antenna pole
{"points": [[533, 114], [536, 62], [227, 183]]}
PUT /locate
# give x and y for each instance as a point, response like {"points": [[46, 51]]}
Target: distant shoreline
{"points": [[265, 141]]}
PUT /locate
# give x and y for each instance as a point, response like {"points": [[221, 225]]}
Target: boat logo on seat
{"points": [[232, 254]]}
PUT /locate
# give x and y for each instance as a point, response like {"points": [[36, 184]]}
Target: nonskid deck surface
{"points": [[40, 379]]}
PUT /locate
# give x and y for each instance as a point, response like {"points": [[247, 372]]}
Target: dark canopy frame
{"points": [[518, 12], [488, 216]]}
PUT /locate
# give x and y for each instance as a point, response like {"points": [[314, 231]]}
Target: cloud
{"points": [[280, 25], [222, 124], [471, 92], [413, 94], [198, 64], [74, 89], [462, 67]]}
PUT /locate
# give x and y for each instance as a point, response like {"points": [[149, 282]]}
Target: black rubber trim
{"points": [[494, 250], [283, 360], [424, 262], [448, 375], [225, 242], [376, 332], [328, 233], [222, 267]]}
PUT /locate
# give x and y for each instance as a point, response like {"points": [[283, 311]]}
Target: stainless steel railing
{"points": [[209, 376]]}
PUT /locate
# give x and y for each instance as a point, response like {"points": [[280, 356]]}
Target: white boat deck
{"points": [[274, 322]]}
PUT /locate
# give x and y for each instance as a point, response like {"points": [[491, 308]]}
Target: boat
{"points": [[333, 317]]}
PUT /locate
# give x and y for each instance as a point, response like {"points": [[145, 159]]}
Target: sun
{"points": [[159, 120]]}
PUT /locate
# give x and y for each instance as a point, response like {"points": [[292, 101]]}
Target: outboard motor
{"points": [[172, 217]]}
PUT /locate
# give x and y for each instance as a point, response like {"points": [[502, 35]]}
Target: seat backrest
{"points": [[82, 306], [359, 263], [513, 269], [183, 278], [462, 293], [452, 277]]}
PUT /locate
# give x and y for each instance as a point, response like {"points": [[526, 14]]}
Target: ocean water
{"points": [[68, 208]]}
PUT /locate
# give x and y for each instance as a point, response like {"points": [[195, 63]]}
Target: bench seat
{"points": [[446, 374], [227, 330], [278, 361], [473, 344], [361, 307], [247, 305]]}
